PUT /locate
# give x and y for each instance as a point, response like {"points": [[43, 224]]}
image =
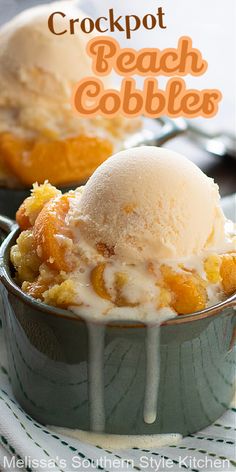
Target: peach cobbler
{"points": [[144, 236], [61, 160]]}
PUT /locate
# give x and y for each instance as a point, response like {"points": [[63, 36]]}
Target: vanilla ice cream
{"points": [[38, 73], [150, 202], [37, 65]]}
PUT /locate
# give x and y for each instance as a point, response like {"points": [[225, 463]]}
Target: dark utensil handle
{"points": [[170, 130]]}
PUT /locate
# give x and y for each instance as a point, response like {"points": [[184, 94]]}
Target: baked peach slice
{"points": [[98, 283], [61, 162], [188, 290], [52, 237], [228, 273], [31, 207], [97, 280]]}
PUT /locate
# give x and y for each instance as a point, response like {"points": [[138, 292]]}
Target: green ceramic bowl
{"points": [[49, 363]]}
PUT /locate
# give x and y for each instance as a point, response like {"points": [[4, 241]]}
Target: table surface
{"points": [[212, 37]]}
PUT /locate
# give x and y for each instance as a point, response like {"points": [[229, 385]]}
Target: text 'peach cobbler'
{"points": [[144, 237]]}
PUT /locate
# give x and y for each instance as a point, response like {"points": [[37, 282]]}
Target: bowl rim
{"points": [[13, 229]]}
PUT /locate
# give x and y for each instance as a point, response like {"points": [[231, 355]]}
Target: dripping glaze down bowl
{"points": [[151, 132], [60, 380]]}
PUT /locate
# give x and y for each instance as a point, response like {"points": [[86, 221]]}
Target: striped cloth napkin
{"points": [[29, 446]]}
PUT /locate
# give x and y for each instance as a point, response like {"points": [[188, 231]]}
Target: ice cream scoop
{"points": [[150, 202], [37, 65]]}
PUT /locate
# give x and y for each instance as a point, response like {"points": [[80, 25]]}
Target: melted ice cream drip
{"points": [[152, 373], [96, 376], [120, 441]]}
